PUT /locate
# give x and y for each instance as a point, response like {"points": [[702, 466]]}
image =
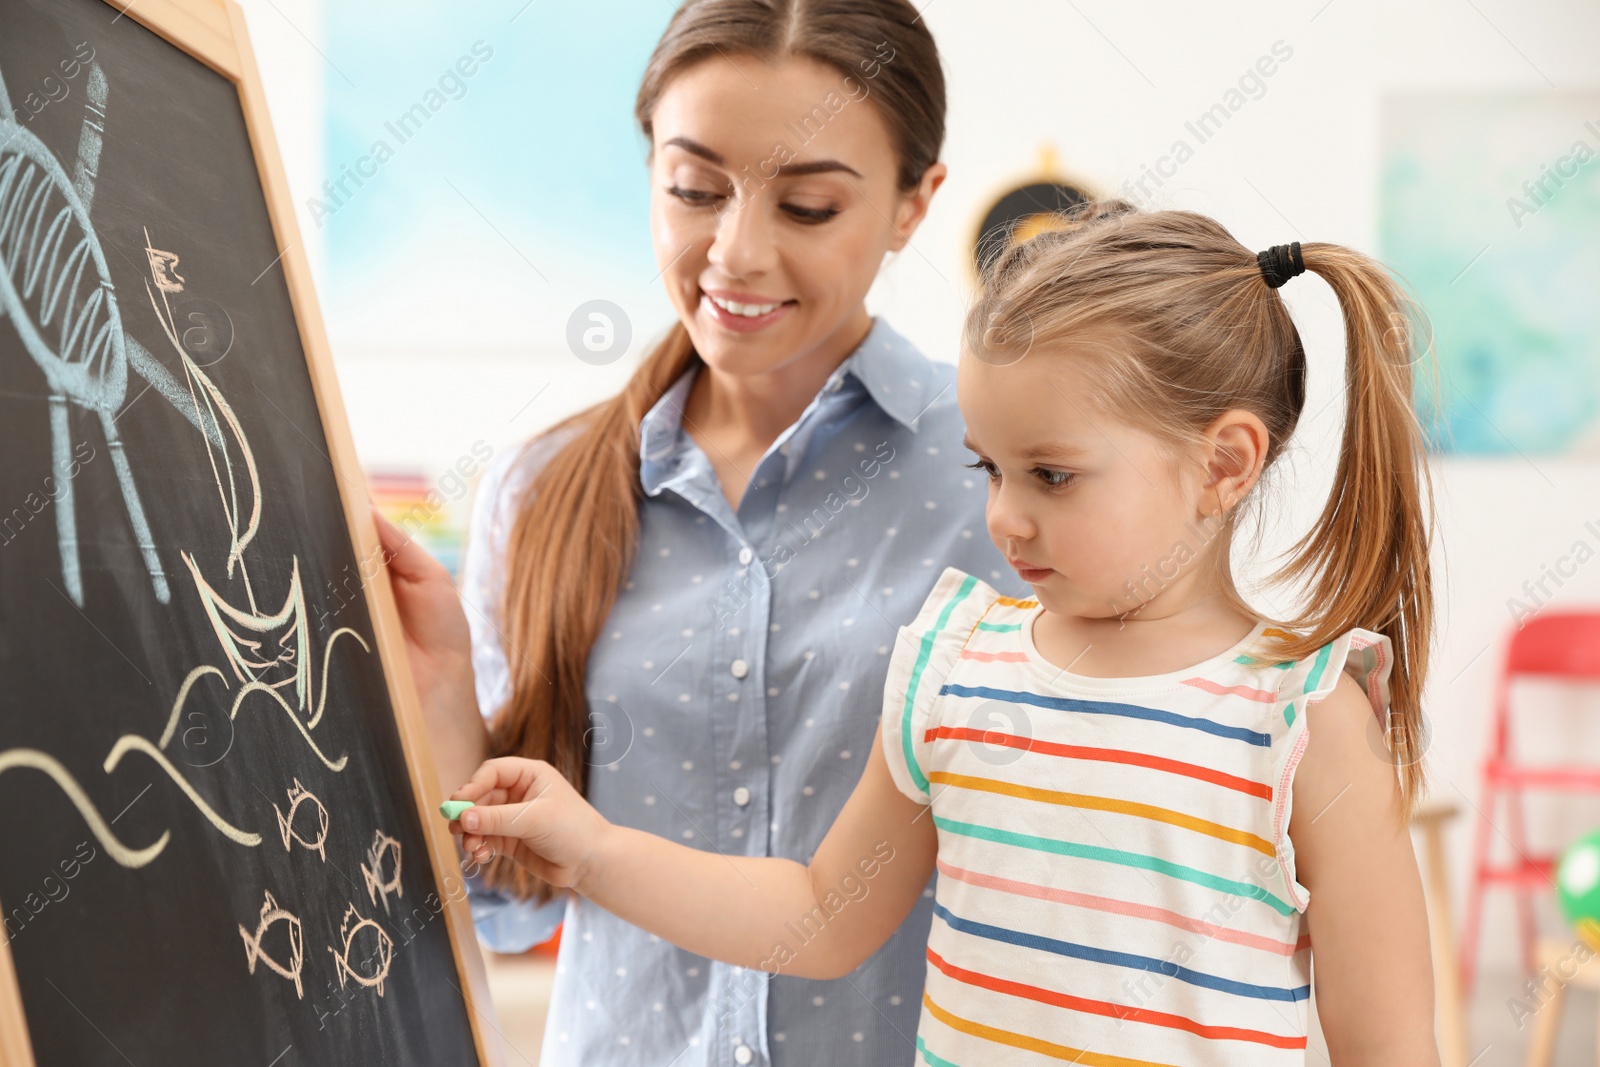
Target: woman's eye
{"points": [[810, 215], [1054, 479], [695, 197], [986, 467]]}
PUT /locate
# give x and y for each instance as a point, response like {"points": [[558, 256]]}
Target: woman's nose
{"points": [[745, 244]]}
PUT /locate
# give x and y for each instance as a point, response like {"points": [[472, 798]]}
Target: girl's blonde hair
{"points": [[1199, 332]]}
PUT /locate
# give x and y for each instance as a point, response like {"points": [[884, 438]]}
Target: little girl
{"points": [[1147, 804]]}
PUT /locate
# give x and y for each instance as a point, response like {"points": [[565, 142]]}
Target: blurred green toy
{"points": [[1578, 886]]}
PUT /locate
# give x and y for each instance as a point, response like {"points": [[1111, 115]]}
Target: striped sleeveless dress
{"points": [[1116, 884]]}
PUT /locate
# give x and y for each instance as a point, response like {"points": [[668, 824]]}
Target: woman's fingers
{"points": [[407, 560]]}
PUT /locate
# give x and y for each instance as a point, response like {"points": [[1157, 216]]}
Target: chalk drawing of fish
{"points": [[384, 853], [271, 914], [378, 946], [298, 796]]}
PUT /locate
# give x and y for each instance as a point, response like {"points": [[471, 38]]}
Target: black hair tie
{"points": [[1280, 263]]}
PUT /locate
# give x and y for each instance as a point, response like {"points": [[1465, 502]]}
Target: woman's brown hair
{"points": [[1197, 332], [577, 525]]}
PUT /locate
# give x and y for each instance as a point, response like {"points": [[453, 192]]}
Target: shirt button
{"points": [[742, 1054], [739, 668], [741, 796], [745, 556]]}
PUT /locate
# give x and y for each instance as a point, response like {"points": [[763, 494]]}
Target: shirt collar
{"points": [[896, 376]]}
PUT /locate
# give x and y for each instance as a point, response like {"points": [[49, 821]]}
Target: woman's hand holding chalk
{"points": [[452, 809]]}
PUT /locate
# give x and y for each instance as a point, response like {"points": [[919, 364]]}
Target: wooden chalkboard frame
{"points": [[214, 32]]}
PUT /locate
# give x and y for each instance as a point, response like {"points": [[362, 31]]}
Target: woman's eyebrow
{"points": [[694, 147], [786, 170], [820, 166]]}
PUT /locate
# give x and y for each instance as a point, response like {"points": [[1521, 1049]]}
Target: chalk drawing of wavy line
{"points": [[56, 288], [134, 743], [183, 696], [203, 670], [42, 761], [244, 652], [216, 410], [271, 915], [327, 649], [262, 687]]}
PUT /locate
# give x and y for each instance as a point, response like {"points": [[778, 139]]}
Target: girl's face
{"points": [[774, 198], [1095, 514]]}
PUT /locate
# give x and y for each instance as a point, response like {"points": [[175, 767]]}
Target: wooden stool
{"points": [[1450, 1024], [1558, 958]]}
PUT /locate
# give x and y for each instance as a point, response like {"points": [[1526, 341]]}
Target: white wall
{"points": [[1111, 85]]}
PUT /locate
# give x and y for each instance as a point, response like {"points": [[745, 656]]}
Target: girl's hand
{"points": [[525, 809], [439, 649]]}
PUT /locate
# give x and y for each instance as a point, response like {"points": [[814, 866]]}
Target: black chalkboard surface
{"points": [[211, 848]]}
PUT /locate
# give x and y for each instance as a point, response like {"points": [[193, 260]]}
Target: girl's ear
{"points": [[1236, 450]]}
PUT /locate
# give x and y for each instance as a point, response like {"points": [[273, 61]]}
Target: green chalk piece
{"points": [[452, 809]]}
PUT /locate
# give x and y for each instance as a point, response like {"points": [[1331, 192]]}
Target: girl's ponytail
{"points": [[1366, 560]]}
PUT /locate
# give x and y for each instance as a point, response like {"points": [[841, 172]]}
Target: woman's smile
{"points": [[742, 312]]}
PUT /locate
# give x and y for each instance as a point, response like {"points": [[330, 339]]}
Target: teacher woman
{"points": [[685, 597]]}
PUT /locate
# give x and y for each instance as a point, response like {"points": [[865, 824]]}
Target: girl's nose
{"points": [[1009, 521]]}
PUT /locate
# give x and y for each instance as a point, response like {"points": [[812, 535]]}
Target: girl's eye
{"points": [[1053, 479], [986, 467], [810, 216], [695, 197]]}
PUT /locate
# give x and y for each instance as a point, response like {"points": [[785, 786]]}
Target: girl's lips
{"points": [[742, 323], [1031, 575]]}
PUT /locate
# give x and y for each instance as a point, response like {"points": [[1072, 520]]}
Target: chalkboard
{"points": [[214, 846]]}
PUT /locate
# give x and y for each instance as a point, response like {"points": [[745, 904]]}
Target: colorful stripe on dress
{"points": [[1211, 931], [1109, 1010], [1105, 707], [924, 653], [1117, 856], [1218, 689], [1113, 958], [1111, 804], [1107, 755], [1031, 1044]]}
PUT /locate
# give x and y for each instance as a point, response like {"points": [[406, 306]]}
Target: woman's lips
{"points": [[742, 323]]}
